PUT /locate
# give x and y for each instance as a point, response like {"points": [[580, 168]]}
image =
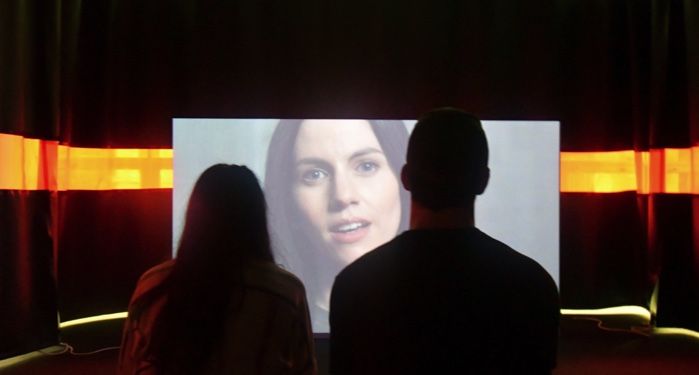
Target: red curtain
{"points": [[619, 75]]}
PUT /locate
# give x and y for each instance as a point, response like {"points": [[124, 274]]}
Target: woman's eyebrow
{"points": [[312, 161], [364, 152]]}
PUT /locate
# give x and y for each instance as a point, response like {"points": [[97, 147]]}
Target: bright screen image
{"points": [[333, 188]]}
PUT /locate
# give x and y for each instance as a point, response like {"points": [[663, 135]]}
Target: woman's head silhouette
{"points": [[225, 229]]}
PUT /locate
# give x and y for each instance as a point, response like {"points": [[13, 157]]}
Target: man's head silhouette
{"points": [[447, 160]]}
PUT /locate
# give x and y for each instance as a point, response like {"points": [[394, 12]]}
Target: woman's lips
{"points": [[349, 231]]}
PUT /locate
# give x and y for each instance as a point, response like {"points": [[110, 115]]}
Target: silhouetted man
{"points": [[444, 297]]}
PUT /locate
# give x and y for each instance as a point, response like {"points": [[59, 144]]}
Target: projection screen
{"points": [[310, 169]]}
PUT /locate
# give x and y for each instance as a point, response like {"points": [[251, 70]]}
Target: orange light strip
{"points": [[25, 163], [31, 164], [669, 170], [598, 172], [113, 169]]}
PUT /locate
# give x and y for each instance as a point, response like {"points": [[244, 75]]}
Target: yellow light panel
{"points": [[112, 169], [695, 165], [127, 153], [668, 170], [12, 171], [166, 177], [678, 168], [127, 178], [598, 172], [24, 162]]}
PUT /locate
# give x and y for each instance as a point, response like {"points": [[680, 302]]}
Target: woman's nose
{"points": [[343, 193]]}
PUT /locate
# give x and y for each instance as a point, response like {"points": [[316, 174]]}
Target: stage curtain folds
{"points": [[29, 106], [28, 319], [619, 75]]}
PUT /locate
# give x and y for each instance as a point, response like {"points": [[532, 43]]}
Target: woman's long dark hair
{"points": [[225, 227], [288, 224]]}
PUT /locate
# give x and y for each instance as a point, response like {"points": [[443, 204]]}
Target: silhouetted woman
{"points": [[222, 306]]}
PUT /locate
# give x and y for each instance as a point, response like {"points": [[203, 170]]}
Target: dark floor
{"points": [[589, 345]]}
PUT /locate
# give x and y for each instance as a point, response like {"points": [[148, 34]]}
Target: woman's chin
{"points": [[349, 253], [348, 247]]}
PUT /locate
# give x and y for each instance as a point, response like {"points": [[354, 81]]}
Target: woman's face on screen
{"points": [[345, 187]]}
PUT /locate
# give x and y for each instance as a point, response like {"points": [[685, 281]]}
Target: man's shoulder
{"points": [[478, 249], [514, 263], [375, 260]]}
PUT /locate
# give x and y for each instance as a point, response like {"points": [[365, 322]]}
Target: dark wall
{"points": [[617, 74]]}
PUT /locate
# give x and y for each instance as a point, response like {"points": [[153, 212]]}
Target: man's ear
{"points": [[404, 177], [483, 178]]}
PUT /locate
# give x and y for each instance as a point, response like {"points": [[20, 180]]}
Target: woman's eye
{"points": [[313, 176], [367, 167]]}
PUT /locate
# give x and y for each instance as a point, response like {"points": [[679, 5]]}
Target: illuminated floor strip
{"points": [[12, 361], [93, 319], [634, 311], [617, 310], [667, 331], [610, 311]]}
